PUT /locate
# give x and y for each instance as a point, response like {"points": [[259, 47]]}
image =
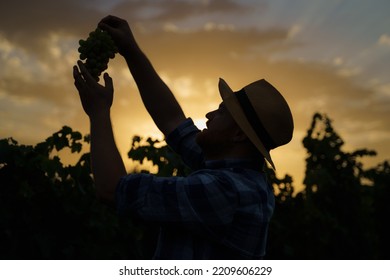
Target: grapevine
{"points": [[97, 50]]}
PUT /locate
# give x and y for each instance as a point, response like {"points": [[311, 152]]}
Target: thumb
{"points": [[108, 83]]}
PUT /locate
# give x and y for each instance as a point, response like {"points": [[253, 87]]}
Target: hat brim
{"points": [[235, 109]]}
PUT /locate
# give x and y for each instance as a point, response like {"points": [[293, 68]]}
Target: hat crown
{"points": [[272, 110]]}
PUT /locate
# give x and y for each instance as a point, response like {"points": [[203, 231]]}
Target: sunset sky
{"points": [[328, 56]]}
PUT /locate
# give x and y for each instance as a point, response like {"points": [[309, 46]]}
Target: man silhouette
{"points": [[221, 210]]}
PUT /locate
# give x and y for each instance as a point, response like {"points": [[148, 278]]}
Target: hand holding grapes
{"points": [[95, 98], [97, 50], [120, 32]]}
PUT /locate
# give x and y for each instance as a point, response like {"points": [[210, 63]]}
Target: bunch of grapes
{"points": [[97, 51]]}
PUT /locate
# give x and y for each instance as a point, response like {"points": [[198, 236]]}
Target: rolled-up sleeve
{"points": [[183, 141]]}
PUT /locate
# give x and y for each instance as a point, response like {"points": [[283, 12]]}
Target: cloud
{"points": [[294, 31], [384, 40], [29, 25], [212, 48], [163, 11]]}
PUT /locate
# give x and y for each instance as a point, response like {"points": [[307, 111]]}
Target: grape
{"points": [[97, 50]]}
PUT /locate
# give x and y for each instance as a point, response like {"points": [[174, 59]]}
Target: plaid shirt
{"points": [[220, 211]]}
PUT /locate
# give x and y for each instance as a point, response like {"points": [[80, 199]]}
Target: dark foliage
{"points": [[49, 210], [341, 212]]}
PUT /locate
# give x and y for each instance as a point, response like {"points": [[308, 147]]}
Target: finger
{"points": [[107, 18], [110, 20], [76, 73], [78, 80], [79, 84], [75, 70], [108, 83], [85, 74]]}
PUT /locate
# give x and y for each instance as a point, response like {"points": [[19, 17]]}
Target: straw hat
{"points": [[262, 113]]}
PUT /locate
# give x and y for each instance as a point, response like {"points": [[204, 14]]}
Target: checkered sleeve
{"points": [[182, 141], [199, 199]]}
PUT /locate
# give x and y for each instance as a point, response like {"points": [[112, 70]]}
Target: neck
{"points": [[255, 163], [237, 152]]}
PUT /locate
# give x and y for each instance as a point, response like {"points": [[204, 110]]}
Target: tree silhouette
{"points": [[335, 194], [49, 211], [333, 218]]}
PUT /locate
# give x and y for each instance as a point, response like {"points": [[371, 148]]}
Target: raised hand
{"points": [[95, 98], [120, 32]]}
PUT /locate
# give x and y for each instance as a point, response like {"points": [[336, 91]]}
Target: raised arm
{"points": [[107, 164], [156, 96]]}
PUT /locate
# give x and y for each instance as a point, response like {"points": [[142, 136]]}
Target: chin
{"points": [[200, 136], [204, 139]]}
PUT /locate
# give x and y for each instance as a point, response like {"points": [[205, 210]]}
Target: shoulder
{"points": [[182, 140]]}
